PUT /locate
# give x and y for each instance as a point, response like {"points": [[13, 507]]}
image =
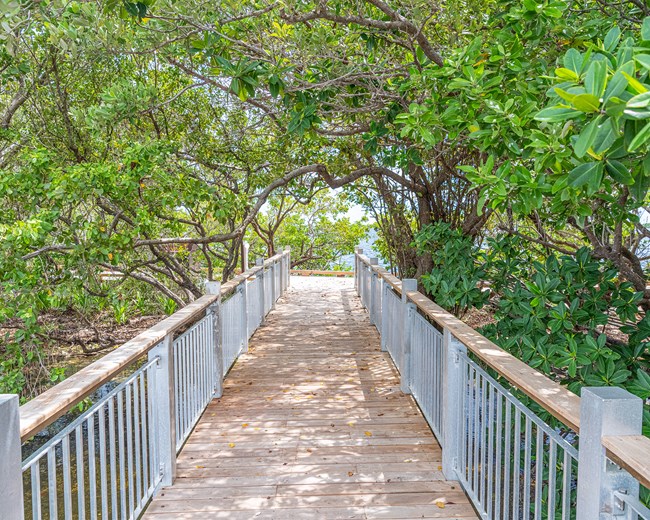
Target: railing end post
{"points": [[604, 411], [11, 476]]}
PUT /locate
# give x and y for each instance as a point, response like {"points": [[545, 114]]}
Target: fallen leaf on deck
{"points": [[232, 444], [369, 434]]}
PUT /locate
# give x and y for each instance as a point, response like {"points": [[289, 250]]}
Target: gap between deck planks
{"points": [[312, 425]]}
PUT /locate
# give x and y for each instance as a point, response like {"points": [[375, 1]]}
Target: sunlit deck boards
{"points": [[312, 425]]}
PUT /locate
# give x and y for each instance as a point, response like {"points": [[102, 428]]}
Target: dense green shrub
{"points": [[456, 273], [557, 313]]}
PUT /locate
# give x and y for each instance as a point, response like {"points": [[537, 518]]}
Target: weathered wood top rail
{"points": [[631, 452], [46, 408], [559, 401]]}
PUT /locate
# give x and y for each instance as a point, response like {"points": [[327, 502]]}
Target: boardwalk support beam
{"points": [[408, 314], [605, 411], [11, 483]]}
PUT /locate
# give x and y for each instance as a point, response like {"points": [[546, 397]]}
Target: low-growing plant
{"points": [[170, 306]]}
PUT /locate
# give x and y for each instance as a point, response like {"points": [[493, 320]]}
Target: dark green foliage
{"points": [[456, 272], [557, 314]]}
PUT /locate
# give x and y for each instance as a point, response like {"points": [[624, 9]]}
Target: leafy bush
{"points": [[556, 317], [454, 280]]}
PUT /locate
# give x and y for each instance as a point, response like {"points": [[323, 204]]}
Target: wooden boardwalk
{"points": [[312, 425]]}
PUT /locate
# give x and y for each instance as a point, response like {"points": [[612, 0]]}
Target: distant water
{"points": [[347, 261]]}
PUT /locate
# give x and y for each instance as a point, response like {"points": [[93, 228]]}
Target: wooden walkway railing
{"points": [[312, 425], [111, 459], [510, 462]]}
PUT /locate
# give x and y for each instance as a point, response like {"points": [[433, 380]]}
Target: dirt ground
{"points": [[71, 341]]}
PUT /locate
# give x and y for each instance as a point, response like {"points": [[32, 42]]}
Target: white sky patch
{"points": [[357, 213]]}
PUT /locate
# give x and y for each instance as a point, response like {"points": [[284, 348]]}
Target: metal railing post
{"points": [[288, 252], [452, 403], [281, 276], [408, 312], [259, 262], [272, 284], [243, 288], [604, 411], [11, 475], [357, 269], [276, 279], [383, 336], [373, 288], [215, 309], [165, 408]]}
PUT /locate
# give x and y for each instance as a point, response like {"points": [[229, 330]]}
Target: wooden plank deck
{"points": [[312, 425]]}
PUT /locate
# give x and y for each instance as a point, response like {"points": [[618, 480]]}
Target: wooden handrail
{"points": [[46, 408], [559, 401], [630, 452]]}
